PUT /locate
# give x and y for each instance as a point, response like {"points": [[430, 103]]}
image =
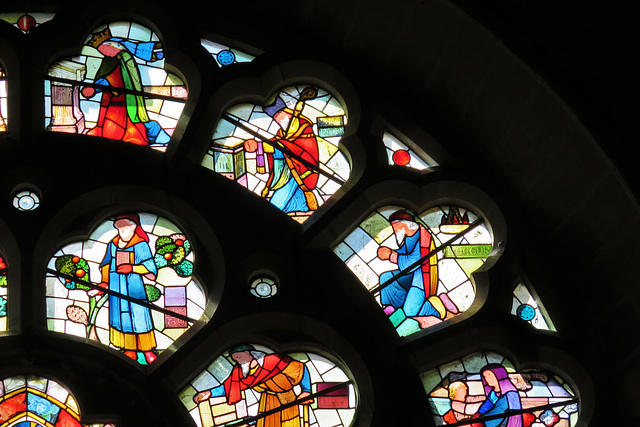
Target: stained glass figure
{"points": [[400, 154], [3, 101], [225, 55], [31, 401], [528, 308], [479, 390], [287, 151], [3, 294], [418, 267], [117, 88], [248, 383], [26, 21], [129, 286]]}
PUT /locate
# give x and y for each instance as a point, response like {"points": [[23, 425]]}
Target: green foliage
{"points": [[72, 265], [172, 251], [153, 293]]}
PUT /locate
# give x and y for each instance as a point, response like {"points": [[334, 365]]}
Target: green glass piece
{"points": [[467, 251]]}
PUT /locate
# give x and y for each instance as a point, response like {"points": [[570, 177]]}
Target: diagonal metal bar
{"points": [[296, 402], [422, 260], [508, 413], [125, 297], [115, 89], [237, 122]]}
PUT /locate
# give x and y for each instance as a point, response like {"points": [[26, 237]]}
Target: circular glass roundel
{"points": [[526, 312], [226, 57], [263, 287], [26, 201]]}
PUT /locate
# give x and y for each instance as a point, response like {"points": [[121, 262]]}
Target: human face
{"points": [[282, 118], [110, 48], [401, 230], [491, 380], [126, 229], [242, 357]]}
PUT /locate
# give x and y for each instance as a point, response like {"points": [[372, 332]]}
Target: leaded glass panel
{"points": [[481, 388], [225, 55], [398, 153], [128, 286], [418, 267], [3, 101], [31, 401], [250, 382], [3, 294], [528, 308], [287, 151], [26, 21], [117, 88]]}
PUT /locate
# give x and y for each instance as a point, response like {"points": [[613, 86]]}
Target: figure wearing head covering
{"points": [[123, 114], [414, 291], [272, 375], [127, 260], [292, 157], [502, 396]]}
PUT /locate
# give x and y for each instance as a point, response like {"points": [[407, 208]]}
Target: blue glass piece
{"points": [[226, 57], [526, 312]]}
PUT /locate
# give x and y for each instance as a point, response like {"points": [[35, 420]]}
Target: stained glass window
{"points": [[250, 382], [528, 308], [418, 267], [400, 154], [481, 388], [3, 101], [117, 88], [129, 286], [30, 401], [225, 55], [26, 200], [3, 294], [26, 21], [263, 287], [287, 151]]}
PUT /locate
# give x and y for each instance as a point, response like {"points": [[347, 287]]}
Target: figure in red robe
{"points": [[292, 157], [123, 114], [272, 375]]}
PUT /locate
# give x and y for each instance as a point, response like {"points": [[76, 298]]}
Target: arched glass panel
{"points": [[26, 21], [479, 389], [30, 401], [399, 153], [3, 101], [251, 383], [418, 267], [128, 286], [3, 294], [287, 151], [117, 88], [528, 308]]}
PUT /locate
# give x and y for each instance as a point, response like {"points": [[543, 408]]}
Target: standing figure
{"points": [[123, 113], [128, 258], [502, 396], [272, 375], [415, 291], [291, 179]]}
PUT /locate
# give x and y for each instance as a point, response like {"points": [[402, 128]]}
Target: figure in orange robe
{"points": [[272, 375]]}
